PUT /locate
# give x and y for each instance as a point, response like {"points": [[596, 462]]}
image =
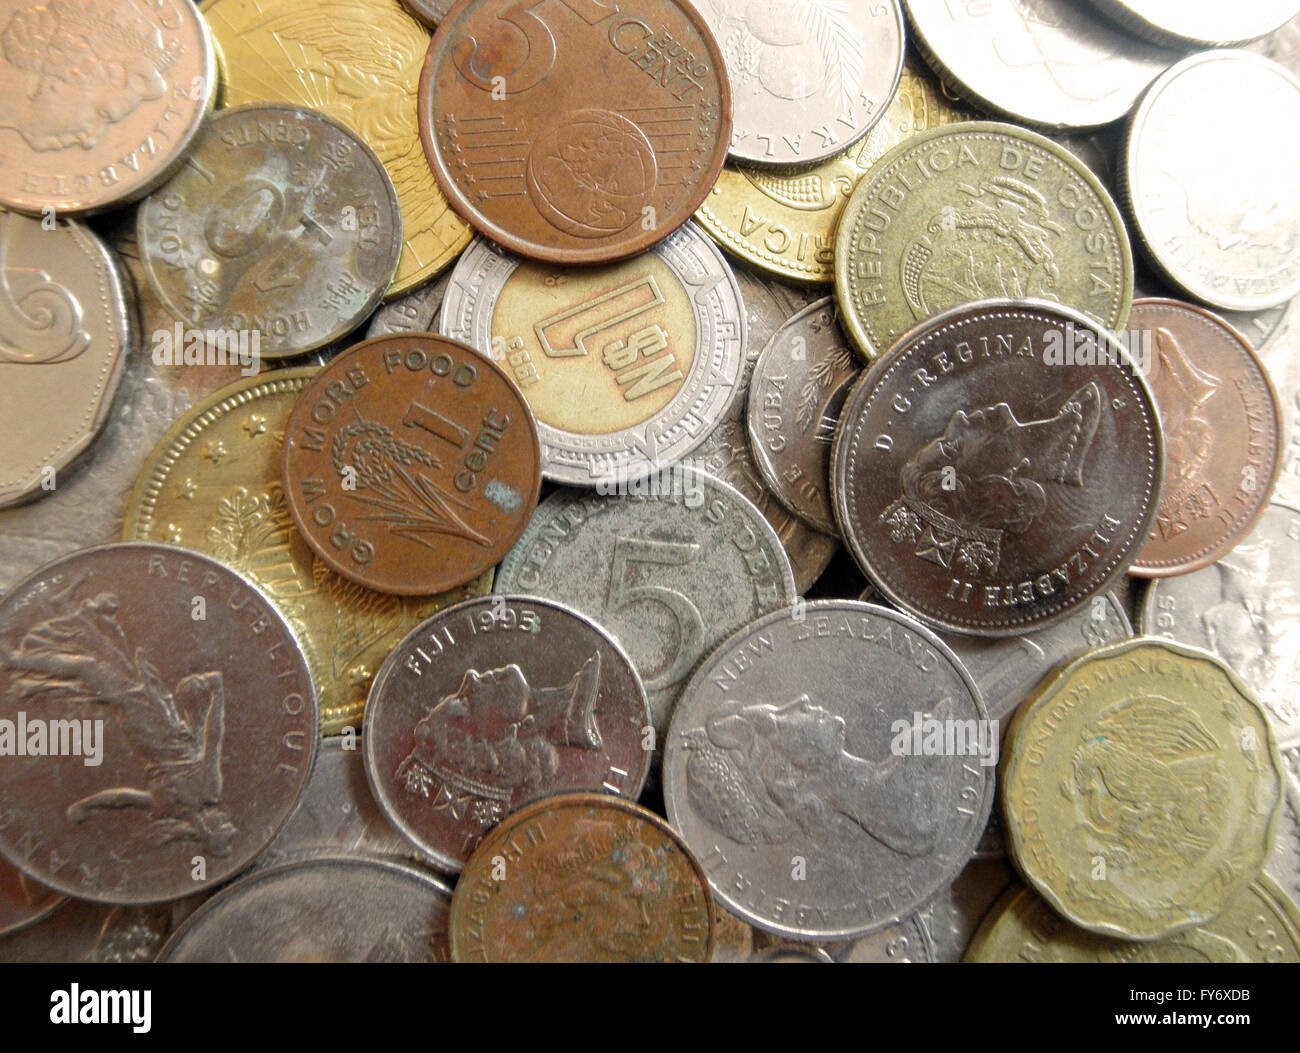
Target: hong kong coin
{"points": [[359, 62], [212, 483], [582, 878], [413, 312], [815, 766], [1246, 609], [1201, 22], [331, 909], [998, 468], [91, 932], [1142, 790], [808, 77], [491, 703], [799, 384], [22, 901], [952, 917], [785, 224], [1050, 63], [587, 141], [430, 12], [410, 464], [1259, 924], [157, 722], [1221, 230], [627, 367], [671, 569], [282, 223], [98, 99], [64, 337]]}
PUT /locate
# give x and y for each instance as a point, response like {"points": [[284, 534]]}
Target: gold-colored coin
{"points": [[785, 223], [1142, 790], [359, 62], [212, 484], [1259, 924]]}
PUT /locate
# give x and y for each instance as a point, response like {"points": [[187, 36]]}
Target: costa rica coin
{"points": [[1205, 23]]}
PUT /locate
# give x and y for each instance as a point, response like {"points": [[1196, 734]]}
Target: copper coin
{"points": [[575, 131], [1223, 435], [22, 900], [582, 878], [411, 464]]}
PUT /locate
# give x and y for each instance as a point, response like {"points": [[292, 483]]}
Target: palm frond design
{"points": [[841, 46]]}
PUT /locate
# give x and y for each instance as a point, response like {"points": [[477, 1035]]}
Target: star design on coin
{"points": [[255, 425], [187, 489], [214, 451]]}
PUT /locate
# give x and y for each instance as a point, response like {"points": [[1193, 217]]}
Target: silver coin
{"points": [[340, 909], [1246, 609], [1211, 187], [792, 770], [902, 943], [89, 932], [1048, 63], [1284, 864], [1280, 353], [955, 913], [808, 77], [792, 954], [414, 312], [670, 572], [1204, 22], [698, 366]]}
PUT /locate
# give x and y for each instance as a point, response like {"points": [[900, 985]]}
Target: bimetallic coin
{"points": [[1221, 228], [22, 901], [413, 312], [410, 464], [975, 211], [98, 99], [628, 367], [998, 468], [797, 769], [331, 909], [670, 570], [588, 139], [1142, 789], [1209, 23], [586, 878], [159, 712]]}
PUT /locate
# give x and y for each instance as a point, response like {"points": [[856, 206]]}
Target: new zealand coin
{"points": [[1223, 230], [575, 131], [212, 483], [998, 468], [1223, 435], [282, 222], [23, 902], [799, 385], [1206, 23], [158, 719], [671, 569], [588, 878], [412, 312], [331, 909], [627, 367], [99, 99], [64, 337], [1246, 609], [979, 210], [359, 62], [411, 464], [808, 77], [494, 702], [1050, 63], [1142, 789]]}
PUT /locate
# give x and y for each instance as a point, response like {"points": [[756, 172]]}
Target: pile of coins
{"points": [[656, 481]]}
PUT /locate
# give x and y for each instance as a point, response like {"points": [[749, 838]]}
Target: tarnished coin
{"points": [[331, 909], [430, 12], [156, 711], [494, 702], [974, 211], [785, 224], [98, 99], [1223, 435], [808, 77], [22, 901], [213, 484], [575, 131], [1246, 609], [282, 223], [627, 367], [65, 334], [1202, 22], [799, 385], [359, 62], [1142, 789], [998, 468], [1223, 229], [671, 570], [413, 312], [587, 878], [792, 769], [410, 464], [1050, 63], [91, 932], [733, 940]]}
